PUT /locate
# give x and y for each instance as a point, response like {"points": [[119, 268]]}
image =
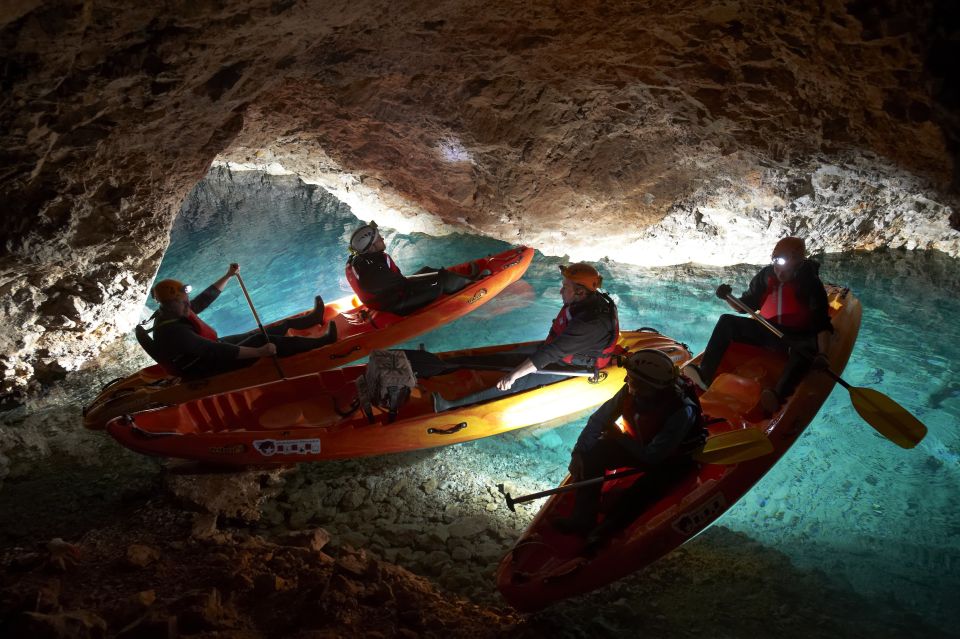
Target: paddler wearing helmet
{"points": [[380, 284], [186, 346], [789, 293], [662, 425], [583, 334], [582, 337]]}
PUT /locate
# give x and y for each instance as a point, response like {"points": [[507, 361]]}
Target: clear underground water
{"points": [[882, 521]]}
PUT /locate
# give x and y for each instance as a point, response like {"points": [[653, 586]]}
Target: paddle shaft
{"points": [[773, 329], [276, 360], [568, 487]]}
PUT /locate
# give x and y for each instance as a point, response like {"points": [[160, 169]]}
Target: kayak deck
{"points": [[318, 408]]}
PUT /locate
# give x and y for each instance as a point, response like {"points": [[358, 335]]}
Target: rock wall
{"points": [[640, 131]]}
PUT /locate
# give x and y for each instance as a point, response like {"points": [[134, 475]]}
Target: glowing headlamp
{"points": [[779, 261]]}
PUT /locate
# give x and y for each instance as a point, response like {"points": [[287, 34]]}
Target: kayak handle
{"points": [[456, 428]]}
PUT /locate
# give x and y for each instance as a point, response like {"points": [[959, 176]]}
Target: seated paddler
{"points": [[789, 293], [188, 347], [380, 284], [583, 337], [662, 427]]}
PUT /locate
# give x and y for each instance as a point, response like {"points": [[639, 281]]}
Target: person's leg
{"points": [[419, 292], [313, 318], [798, 363], [605, 454], [527, 382], [450, 282], [634, 501], [293, 345], [731, 328]]}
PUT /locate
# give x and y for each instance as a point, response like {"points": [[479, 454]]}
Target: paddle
{"points": [[887, 417], [426, 364], [731, 447], [276, 360]]}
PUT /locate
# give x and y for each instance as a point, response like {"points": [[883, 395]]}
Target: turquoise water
{"points": [[844, 500]]}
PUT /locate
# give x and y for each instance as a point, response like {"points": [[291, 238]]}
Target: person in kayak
{"points": [[662, 425], [789, 293], [188, 347], [379, 283], [583, 337]]}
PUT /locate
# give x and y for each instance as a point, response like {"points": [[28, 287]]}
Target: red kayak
{"points": [[545, 565], [359, 331]]}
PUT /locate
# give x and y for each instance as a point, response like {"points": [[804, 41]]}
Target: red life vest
{"points": [[353, 277], [643, 423], [560, 325], [782, 305], [203, 329]]}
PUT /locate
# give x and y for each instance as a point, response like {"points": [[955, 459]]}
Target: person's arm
{"points": [[600, 421], [580, 336], [666, 442], [507, 381], [753, 296], [232, 270], [212, 292]]}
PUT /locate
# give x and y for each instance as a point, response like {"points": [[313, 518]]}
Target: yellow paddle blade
{"points": [[891, 420], [734, 446]]}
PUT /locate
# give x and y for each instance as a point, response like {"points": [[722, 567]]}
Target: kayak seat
{"points": [[731, 397]]}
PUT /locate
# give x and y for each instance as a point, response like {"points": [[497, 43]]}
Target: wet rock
{"points": [[315, 539], [469, 526], [140, 556]]}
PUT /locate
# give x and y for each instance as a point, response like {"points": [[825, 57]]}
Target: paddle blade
{"points": [[735, 446], [889, 418]]}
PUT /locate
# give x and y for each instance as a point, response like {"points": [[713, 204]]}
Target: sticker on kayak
{"points": [[270, 447], [236, 449], [478, 295], [694, 521]]}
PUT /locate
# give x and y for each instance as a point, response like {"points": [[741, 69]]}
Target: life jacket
{"points": [[784, 305], [203, 329], [353, 277], [644, 422], [602, 360]]}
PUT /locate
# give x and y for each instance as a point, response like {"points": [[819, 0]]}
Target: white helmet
{"points": [[363, 237], [652, 367]]}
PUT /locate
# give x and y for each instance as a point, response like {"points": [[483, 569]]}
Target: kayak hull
{"points": [[545, 566], [301, 420], [360, 330]]}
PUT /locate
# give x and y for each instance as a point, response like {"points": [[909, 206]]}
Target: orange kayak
{"points": [[359, 331], [545, 565], [302, 420]]}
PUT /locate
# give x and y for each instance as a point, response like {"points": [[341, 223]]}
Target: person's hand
{"points": [[576, 466], [233, 270], [268, 350], [723, 291], [820, 362], [506, 381]]}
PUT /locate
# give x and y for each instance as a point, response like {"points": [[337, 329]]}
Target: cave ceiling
{"points": [[638, 131]]}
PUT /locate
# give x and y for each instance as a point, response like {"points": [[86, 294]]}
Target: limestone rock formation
{"points": [[638, 131]]}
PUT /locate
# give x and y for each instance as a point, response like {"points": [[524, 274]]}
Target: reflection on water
{"points": [[843, 500]]}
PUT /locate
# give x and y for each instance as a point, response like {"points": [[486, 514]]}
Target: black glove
{"points": [[820, 362], [723, 290]]}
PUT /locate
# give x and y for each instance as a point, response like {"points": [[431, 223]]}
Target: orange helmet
{"points": [[582, 274], [790, 246], [169, 290]]}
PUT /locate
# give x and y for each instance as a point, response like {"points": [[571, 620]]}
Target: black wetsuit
{"points": [[800, 343], [380, 285], [194, 356]]}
